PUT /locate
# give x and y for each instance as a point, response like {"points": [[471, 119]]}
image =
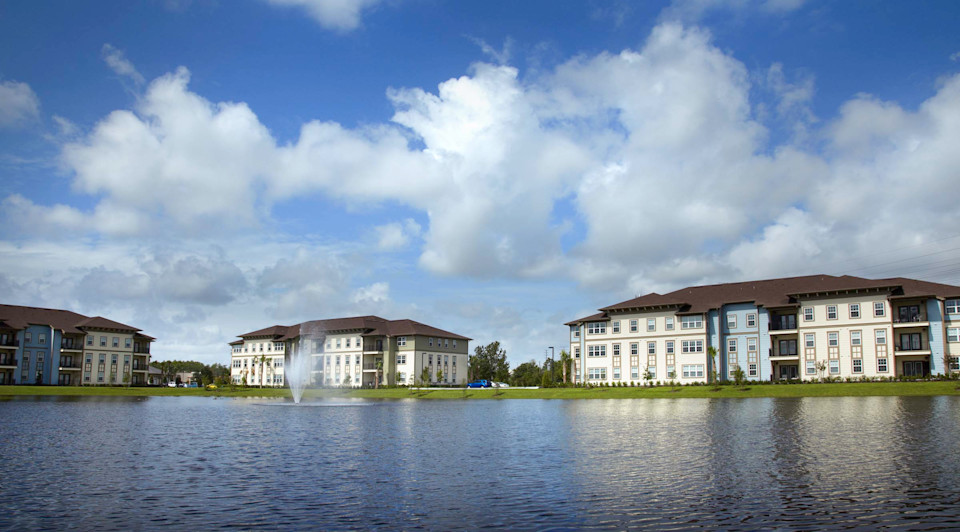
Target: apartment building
{"points": [[352, 352], [791, 328], [60, 347]]}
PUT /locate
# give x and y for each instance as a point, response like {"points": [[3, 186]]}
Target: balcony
{"points": [[10, 343], [783, 324], [373, 347], [69, 366], [8, 361], [909, 316], [778, 355], [912, 344], [144, 350], [69, 344]]}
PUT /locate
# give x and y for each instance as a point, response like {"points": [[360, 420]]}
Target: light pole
{"points": [[553, 378]]}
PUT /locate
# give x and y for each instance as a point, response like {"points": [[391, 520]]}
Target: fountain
{"points": [[297, 367]]}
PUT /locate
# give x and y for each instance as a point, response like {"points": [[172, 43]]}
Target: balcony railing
{"points": [[71, 344], [779, 324], [917, 318], [8, 361], [911, 347], [9, 342], [69, 365], [141, 349]]}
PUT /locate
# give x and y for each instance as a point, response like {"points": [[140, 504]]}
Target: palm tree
{"points": [[712, 353], [263, 361], [564, 362], [376, 383]]}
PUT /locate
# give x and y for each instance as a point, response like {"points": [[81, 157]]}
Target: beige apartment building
{"points": [[805, 328], [352, 352], [60, 347]]}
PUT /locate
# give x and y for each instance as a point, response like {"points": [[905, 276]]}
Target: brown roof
{"points": [[593, 317], [19, 317], [103, 323], [367, 325], [772, 293]]}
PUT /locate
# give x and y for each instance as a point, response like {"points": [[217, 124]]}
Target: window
{"points": [[652, 370], [855, 338], [910, 342], [751, 320], [669, 344], [831, 312], [616, 350], [751, 344], [596, 350], [671, 372], [633, 325], [338, 343], [454, 343], [446, 343], [788, 348], [576, 330], [28, 337], [881, 336], [597, 327], [348, 342], [669, 323], [811, 367], [854, 311], [634, 373], [651, 324], [576, 352], [42, 338], [103, 341], [834, 366], [833, 339], [731, 321], [116, 342], [430, 359], [691, 346], [401, 359], [857, 365], [616, 373], [430, 342], [651, 348], [953, 334], [807, 313], [952, 306], [752, 371], [634, 348], [596, 374], [808, 340], [731, 345], [882, 365], [691, 322], [954, 363], [401, 341], [692, 371], [616, 330], [878, 309]]}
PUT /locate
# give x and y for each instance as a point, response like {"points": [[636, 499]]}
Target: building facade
{"points": [[352, 352], [805, 328], [59, 347]]}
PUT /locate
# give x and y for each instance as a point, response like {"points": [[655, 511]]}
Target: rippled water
{"points": [[199, 463]]}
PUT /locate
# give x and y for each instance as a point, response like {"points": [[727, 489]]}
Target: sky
{"points": [[200, 169]]}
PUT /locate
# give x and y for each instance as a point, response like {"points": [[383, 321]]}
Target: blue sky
{"points": [[200, 169]]}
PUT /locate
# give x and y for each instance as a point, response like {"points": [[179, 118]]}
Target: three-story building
{"points": [[793, 328]]}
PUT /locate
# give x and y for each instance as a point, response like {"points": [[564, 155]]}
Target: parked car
{"points": [[501, 385], [482, 383]]}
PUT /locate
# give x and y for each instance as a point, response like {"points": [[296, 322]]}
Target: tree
{"points": [[527, 374], [263, 362], [379, 366], [346, 380], [490, 363], [738, 376], [564, 363], [946, 364], [712, 353], [439, 374], [821, 368], [425, 376]]}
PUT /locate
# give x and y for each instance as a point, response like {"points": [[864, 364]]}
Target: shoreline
{"points": [[855, 389]]}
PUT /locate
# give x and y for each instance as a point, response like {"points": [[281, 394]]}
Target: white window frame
{"points": [[669, 347], [809, 341], [808, 314], [651, 348], [595, 351], [751, 320], [879, 309], [731, 321], [692, 321], [832, 312], [692, 371], [833, 339], [854, 311], [651, 324], [691, 346], [856, 338], [882, 366], [669, 320], [952, 306], [597, 327], [880, 336], [634, 326], [616, 326], [953, 334], [731, 345]]}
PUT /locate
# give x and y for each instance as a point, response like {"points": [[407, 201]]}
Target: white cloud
{"points": [[397, 235], [955, 56], [343, 15], [18, 104], [377, 293], [694, 10], [118, 62]]}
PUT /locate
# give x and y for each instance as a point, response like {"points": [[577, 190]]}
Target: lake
{"points": [[200, 463]]}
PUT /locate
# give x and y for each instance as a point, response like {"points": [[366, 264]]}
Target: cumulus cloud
{"points": [[694, 10], [118, 62], [397, 235], [19, 105], [377, 293], [343, 15]]}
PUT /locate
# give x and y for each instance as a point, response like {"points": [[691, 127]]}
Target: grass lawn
{"points": [[763, 390]]}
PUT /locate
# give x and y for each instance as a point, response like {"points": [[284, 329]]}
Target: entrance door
{"points": [[913, 369], [788, 372], [64, 379]]}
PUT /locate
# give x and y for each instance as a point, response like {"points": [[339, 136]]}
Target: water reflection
{"points": [[144, 463]]}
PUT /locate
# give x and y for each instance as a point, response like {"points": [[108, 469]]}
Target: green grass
{"points": [[764, 390]]}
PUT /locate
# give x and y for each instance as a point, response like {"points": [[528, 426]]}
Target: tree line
{"points": [[218, 374], [489, 362]]}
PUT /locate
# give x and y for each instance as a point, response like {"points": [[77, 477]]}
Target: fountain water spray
{"points": [[297, 368]]}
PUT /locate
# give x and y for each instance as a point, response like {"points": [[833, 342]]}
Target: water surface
{"points": [[188, 462]]}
